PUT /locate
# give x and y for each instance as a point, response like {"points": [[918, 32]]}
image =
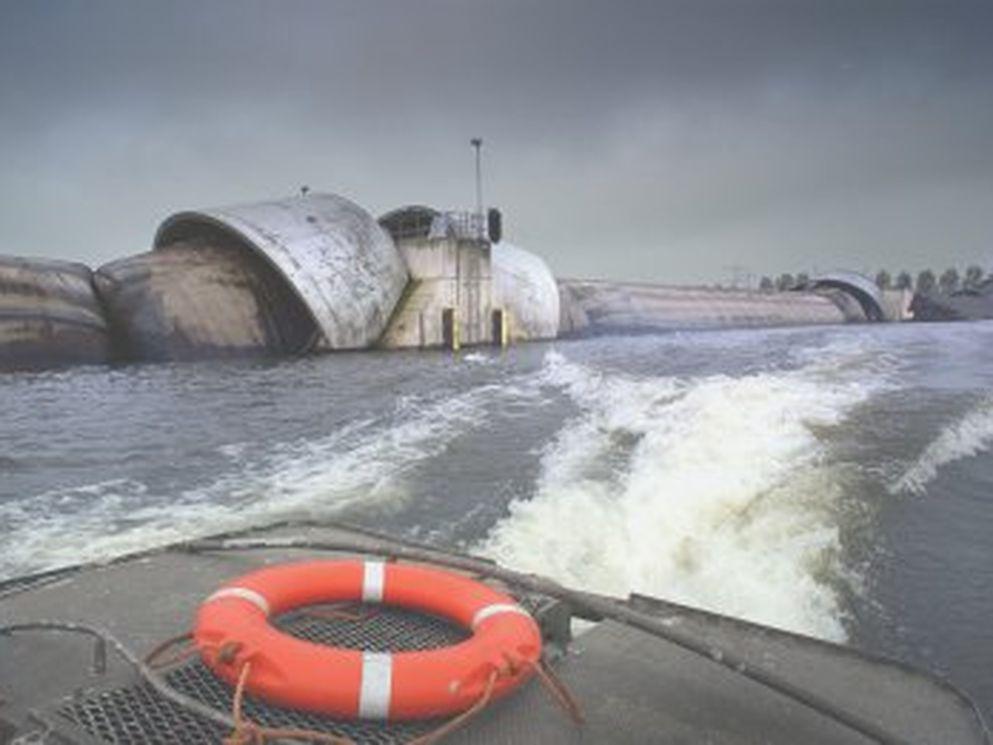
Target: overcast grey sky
{"points": [[653, 140]]}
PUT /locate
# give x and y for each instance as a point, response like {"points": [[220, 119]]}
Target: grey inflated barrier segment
{"points": [[342, 265], [600, 307], [200, 300], [524, 286], [49, 315]]}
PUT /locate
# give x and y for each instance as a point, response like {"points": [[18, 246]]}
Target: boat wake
{"points": [[364, 461], [715, 492], [969, 436]]}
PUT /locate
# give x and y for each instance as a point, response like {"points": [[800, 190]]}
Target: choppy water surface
{"points": [[836, 482]]}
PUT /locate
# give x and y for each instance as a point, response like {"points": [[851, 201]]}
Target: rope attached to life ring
{"points": [[246, 732]]}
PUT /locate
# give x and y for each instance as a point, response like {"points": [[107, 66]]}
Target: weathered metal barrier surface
{"points": [[49, 315], [592, 307], [336, 258], [206, 300]]}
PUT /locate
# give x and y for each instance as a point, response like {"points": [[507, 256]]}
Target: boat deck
{"points": [[633, 685]]}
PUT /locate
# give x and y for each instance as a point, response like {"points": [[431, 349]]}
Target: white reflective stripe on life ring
{"points": [[491, 610], [373, 580], [377, 681], [245, 594]]}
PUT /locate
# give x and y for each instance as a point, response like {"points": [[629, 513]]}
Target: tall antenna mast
{"points": [[477, 143]]}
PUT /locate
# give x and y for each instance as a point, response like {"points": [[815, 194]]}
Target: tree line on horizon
{"points": [[926, 283]]}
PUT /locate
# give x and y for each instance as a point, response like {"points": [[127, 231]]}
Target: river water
{"points": [[831, 481]]}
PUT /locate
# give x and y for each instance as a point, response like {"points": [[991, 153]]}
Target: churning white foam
{"points": [[715, 492], [366, 460], [968, 436]]}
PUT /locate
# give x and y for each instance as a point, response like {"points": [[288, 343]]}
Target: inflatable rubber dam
{"points": [[318, 273]]}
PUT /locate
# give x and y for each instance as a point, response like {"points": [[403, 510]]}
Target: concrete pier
{"points": [[449, 301], [465, 290], [897, 304]]}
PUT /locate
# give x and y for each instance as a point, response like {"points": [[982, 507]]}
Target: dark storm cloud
{"points": [[660, 140]]}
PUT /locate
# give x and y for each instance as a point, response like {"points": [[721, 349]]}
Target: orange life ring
{"points": [[351, 683]]}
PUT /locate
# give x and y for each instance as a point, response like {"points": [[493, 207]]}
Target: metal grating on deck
{"points": [[139, 716]]}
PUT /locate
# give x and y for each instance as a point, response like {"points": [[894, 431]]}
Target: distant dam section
{"points": [[318, 273], [598, 307]]}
